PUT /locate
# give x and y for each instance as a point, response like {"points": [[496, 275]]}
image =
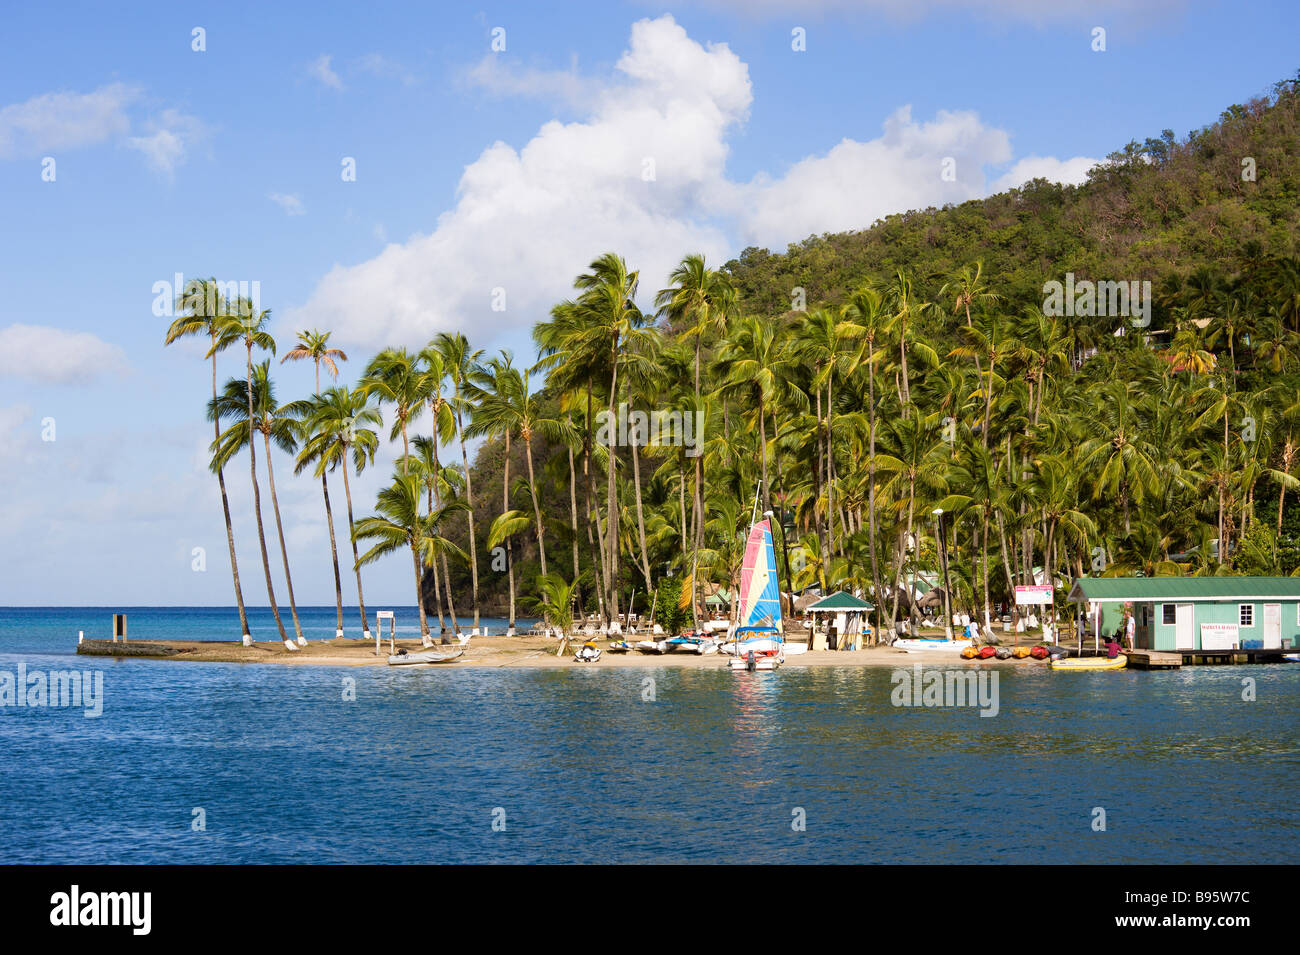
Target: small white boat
{"points": [[924, 644], [403, 659], [652, 646]]}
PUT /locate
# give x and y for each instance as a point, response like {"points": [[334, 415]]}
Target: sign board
{"points": [[1219, 636], [1037, 594]]}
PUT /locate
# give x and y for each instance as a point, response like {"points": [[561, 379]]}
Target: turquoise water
{"points": [[581, 768]]}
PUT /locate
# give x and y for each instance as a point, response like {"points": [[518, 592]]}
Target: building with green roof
{"points": [[1195, 613]]}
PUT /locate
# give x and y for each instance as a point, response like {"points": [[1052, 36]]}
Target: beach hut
{"points": [[1194, 613], [849, 613]]}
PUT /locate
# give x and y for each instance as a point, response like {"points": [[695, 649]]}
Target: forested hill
{"points": [[1226, 197]]}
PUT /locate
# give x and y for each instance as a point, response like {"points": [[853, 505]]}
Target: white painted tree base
{"points": [[338, 633], [290, 645], [248, 640], [302, 641]]}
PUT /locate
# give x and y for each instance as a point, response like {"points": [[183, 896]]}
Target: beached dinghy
{"points": [[926, 643], [404, 659], [1090, 663]]}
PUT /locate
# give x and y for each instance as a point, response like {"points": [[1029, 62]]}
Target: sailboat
{"points": [[760, 636]]}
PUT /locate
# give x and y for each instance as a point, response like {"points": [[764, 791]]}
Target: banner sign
{"points": [[1037, 594], [1219, 636]]}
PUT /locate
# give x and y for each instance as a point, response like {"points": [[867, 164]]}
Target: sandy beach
{"points": [[493, 651]]}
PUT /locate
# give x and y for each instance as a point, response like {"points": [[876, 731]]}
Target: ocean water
{"points": [[577, 765]]}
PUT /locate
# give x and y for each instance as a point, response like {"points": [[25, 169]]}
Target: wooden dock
{"points": [[1173, 659], [1154, 659]]}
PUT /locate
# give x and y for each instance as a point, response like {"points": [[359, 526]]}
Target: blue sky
{"points": [[477, 170]]}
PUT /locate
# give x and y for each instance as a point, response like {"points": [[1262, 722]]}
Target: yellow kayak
{"points": [[1090, 663]]}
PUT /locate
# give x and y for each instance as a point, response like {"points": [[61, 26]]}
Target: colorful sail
{"points": [[760, 593]]}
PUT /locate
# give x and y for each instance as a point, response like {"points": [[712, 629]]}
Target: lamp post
{"points": [[943, 562]]}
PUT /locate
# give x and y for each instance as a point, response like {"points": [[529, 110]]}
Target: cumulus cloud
{"points": [[52, 355], [320, 70], [910, 166], [291, 204], [54, 121], [642, 173], [1069, 171]]}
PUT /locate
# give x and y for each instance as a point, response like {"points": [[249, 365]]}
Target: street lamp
{"points": [[943, 562]]}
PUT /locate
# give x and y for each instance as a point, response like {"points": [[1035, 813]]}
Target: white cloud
{"points": [[1069, 171], [169, 139], [643, 174], [44, 354], [320, 70], [54, 121], [911, 166], [291, 204], [502, 77]]}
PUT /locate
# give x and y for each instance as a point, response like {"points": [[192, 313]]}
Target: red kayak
{"points": [[986, 652], [1039, 653]]}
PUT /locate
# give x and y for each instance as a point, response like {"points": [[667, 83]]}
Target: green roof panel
{"points": [[1111, 589], [841, 601]]}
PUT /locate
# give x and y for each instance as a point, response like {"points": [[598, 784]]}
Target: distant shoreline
{"points": [[522, 652]]}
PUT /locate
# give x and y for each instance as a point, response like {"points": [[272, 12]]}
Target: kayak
{"points": [[969, 653], [1004, 653], [1038, 653], [1090, 663], [988, 652], [1020, 652]]}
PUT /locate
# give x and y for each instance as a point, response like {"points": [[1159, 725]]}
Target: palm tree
{"points": [[248, 325], [459, 363], [607, 315], [314, 345], [398, 524], [556, 606], [337, 431], [281, 423], [503, 406], [201, 313], [699, 300], [395, 376]]}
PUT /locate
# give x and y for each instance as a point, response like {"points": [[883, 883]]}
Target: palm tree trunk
{"points": [[537, 508], [433, 572], [257, 505], [469, 497], [611, 512], [640, 517], [356, 556], [279, 529], [510, 556], [871, 487], [425, 639], [225, 510], [573, 512], [334, 556], [598, 567]]}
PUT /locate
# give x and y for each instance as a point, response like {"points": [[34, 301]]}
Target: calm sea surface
{"points": [[580, 768]]}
